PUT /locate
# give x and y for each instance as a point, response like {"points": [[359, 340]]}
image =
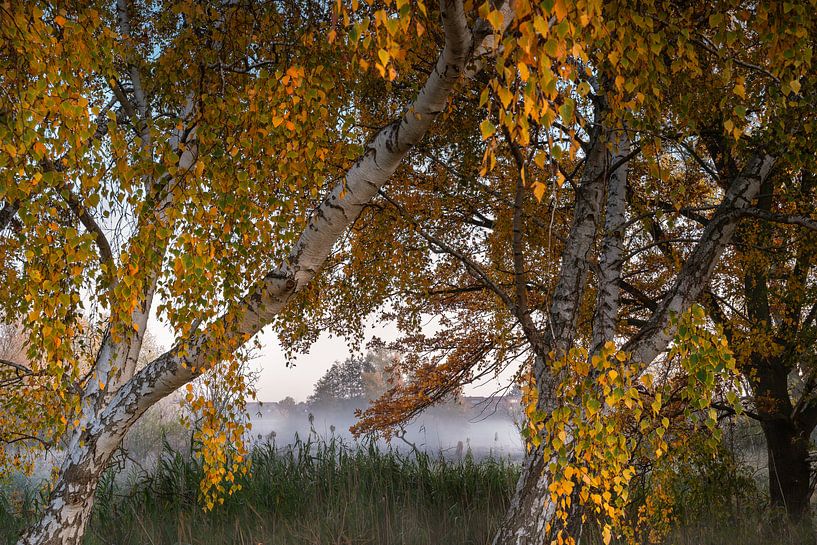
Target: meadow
{"points": [[329, 491], [307, 492]]}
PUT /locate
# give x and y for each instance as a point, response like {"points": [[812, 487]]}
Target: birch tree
{"points": [[651, 179], [765, 300], [197, 160], [223, 165]]}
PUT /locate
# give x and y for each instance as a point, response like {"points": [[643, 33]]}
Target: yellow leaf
{"points": [[560, 9], [539, 190], [496, 18], [606, 535], [524, 73], [505, 96], [795, 85]]}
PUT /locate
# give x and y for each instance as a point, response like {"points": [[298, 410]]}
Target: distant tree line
{"points": [[358, 378]]}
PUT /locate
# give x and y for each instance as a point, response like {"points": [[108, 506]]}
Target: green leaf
{"points": [[487, 129], [566, 110]]}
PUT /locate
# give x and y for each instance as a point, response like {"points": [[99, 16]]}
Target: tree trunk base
{"points": [[530, 511]]}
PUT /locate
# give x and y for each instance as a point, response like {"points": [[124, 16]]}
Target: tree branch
{"points": [[520, 307], [338, 210], [790, 219], [16, 366], [694, 276], [639, 295], [106, 259], [471, 266], [8, 212]]}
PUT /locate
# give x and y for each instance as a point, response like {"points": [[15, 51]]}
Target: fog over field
{"points": [[488, 427]]}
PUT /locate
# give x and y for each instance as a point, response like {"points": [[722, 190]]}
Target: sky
{"points": [[277, 381]]}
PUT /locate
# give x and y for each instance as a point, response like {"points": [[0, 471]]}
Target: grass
{"points": [[333, 493], [753, 528], [313, 492]]}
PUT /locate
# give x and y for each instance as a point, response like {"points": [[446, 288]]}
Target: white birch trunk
{"points": [[612, 249], [71, 502], [531, 508], [654, 337]]}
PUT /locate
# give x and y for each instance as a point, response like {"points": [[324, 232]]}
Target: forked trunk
{"points": [[531, 508], [104, 425]]}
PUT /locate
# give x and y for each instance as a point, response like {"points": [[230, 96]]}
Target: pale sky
{"points": [[278, 381]]}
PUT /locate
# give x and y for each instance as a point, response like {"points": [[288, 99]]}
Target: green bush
{"points": [[714, 500]]}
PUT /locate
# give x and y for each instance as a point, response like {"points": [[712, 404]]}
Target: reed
{"points": [[319, 491], [313, 491]]}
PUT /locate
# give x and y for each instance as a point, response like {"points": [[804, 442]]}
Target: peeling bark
{"points": [[612, 250], [530, 509], [71, 502]]}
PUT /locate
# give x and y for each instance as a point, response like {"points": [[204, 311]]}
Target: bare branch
{"points": [[706, 44], [520, 308], [16, 366], [105, 254], [639, 295], [470, 265], [790, 219]]}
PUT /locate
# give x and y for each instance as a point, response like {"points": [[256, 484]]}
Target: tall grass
{"points": [[310, 492], [329, 492]]}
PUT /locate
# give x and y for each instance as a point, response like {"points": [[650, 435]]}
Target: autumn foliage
{"points": [[567, 181]]}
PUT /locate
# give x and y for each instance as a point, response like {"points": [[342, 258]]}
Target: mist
{"points": [[484, 427]]}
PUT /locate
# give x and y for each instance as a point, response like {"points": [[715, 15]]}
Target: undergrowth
{"points": [[329, 492], [311, 492]]}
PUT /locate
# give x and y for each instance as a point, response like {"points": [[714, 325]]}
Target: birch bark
{"points": [[71, 502], [531, 508]]}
